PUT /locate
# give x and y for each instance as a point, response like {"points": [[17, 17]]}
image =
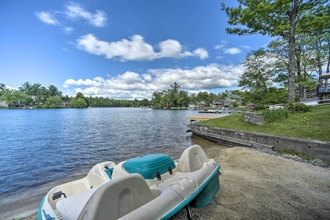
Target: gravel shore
{"points": [[264, 185]]}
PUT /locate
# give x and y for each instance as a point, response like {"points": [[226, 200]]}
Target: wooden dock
{"points": [[204, 117]]}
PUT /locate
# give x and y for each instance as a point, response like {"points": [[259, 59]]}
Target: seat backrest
{"points": [[117, 197], [192, 159]]}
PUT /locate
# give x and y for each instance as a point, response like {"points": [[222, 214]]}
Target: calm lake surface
{"points": [[41, 148]]}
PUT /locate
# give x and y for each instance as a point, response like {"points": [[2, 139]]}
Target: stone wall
{"points": [[227, 137], [254, 118]]}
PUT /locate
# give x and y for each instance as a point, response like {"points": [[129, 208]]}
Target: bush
{"points": [[298, 107], [259, 107], [272, 116]]}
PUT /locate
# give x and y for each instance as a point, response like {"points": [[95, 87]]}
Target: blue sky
{"points": [[121, 49]]}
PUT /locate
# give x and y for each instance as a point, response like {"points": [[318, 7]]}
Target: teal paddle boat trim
{"points": [[149, 165], [40, 207], [109, 172], [207, 194], [40, 211], [192, 196]]}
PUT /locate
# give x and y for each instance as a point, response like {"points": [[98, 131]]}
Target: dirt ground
{"points": [[256, 185]]}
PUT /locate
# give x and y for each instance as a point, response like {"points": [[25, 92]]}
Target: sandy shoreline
{"points": [[256, 185]]}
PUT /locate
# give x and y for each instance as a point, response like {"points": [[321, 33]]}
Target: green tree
{"points": [[2, 86], [13, 97], [26, 87], [156, 99], [144, 102], [78, 103], [284, 18], [183, 98], [258, 73], [173, 94], [54, 91], [54, 101], [2, 89], [203, 96]]}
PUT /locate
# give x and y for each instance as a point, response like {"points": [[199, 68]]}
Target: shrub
{"points": [[259, 107], [272, 116], [298, 107]]}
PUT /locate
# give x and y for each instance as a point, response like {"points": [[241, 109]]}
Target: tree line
{"points": [[40, 96], [174, 97]]}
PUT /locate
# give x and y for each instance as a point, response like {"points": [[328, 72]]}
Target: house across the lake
{"points": [[233, 98], [218, 103], [3, 104]]}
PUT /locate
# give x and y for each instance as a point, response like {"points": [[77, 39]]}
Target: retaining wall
{"points": [[254, 118], [227, 137]]}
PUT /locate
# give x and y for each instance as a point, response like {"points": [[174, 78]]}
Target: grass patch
{"points": [[314, 125], [275, 115], [292, 152]]}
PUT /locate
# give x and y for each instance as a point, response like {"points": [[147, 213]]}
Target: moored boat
{"points": [[152, 186]]}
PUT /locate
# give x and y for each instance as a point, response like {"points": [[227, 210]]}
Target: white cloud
{"points": [[68, 30], [233, 50], [170, 48], [47, 18], [201, 53], [136, 49], [130, 85], [75, 11]]}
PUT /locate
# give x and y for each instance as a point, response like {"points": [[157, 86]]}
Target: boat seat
{"points": [[192, 159], [70, 207], [117, 198]]}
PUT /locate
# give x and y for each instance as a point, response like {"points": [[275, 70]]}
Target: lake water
{"points": [[41, 148]]}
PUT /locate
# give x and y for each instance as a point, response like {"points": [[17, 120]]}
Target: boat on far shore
{"points": [[152, 186]]}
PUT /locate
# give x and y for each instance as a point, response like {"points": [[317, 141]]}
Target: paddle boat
{"points": [[152, 186]]}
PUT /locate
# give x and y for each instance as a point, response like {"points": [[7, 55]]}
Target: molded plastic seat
{"points": [[116, 198], [192, 159]]}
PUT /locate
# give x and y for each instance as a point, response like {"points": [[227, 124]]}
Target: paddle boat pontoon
{"points": [[152, 186]]}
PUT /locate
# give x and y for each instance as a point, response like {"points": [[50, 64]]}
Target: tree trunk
{"points": [[291, 79], [301, 87], [328, 64]]}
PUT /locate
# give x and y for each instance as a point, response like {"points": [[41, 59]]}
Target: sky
{"points": [[121, 49]]}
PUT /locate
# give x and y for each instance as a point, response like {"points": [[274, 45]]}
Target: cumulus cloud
{"points": [[201, 53], [136, 49], [170, 48], [133, 49], [233, 50], [47, 18], [75, 11], [130, 85]]}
